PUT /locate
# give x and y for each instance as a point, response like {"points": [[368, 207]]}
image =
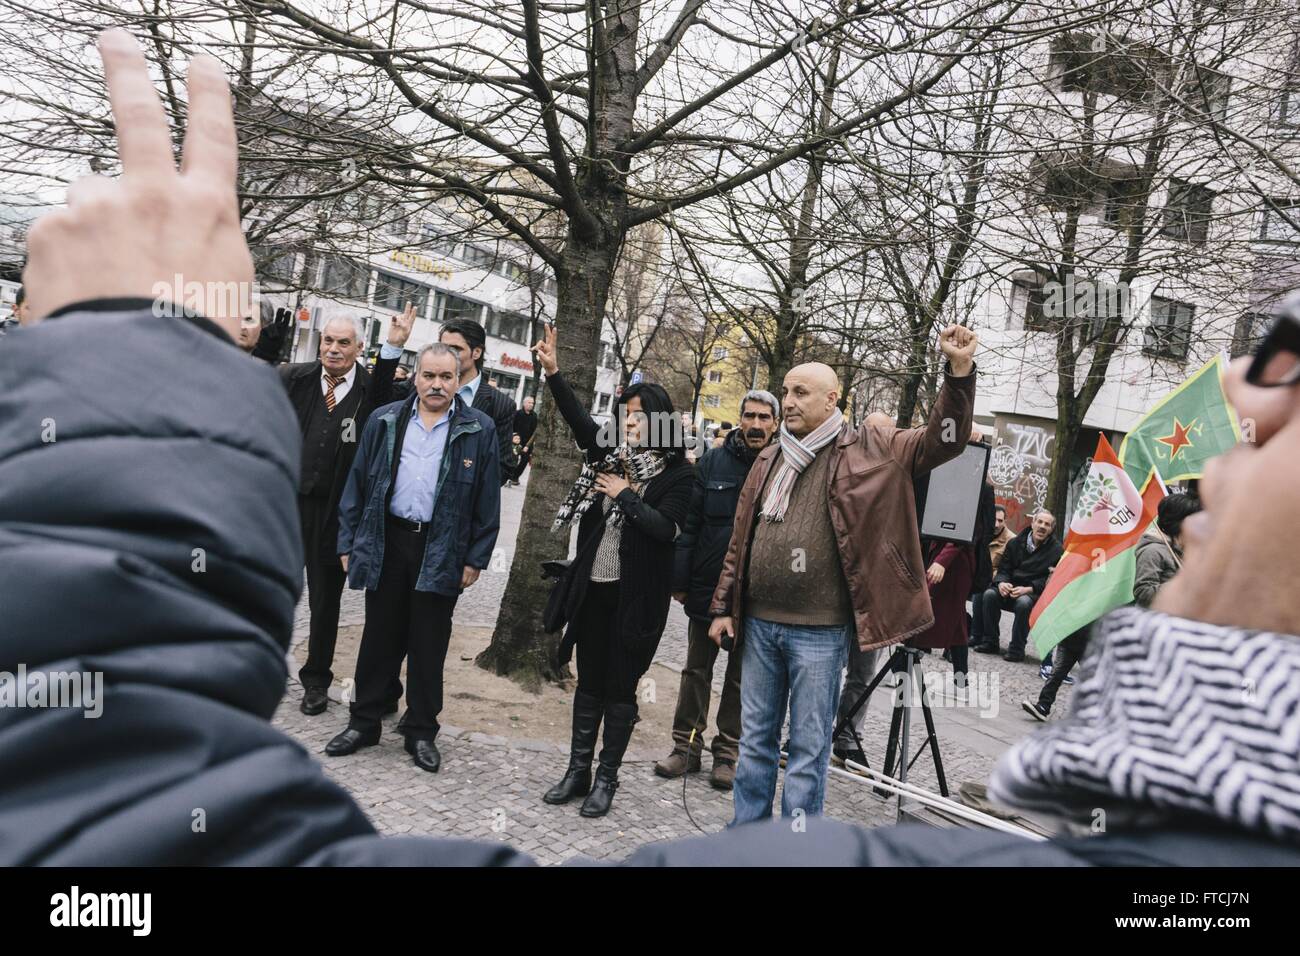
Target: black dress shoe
{"points": [[987, 649], [314, 700], [425, 753], [349, 742], [1013, 658]]}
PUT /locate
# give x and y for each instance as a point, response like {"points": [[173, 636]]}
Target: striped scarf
{"points": [[1172, 719], [796, 455], [637, 467]]}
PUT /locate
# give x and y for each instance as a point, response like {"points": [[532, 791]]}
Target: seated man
{"points": [[1022, 574]]}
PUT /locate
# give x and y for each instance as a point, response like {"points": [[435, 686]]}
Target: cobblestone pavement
{"points": [[490, 788]]}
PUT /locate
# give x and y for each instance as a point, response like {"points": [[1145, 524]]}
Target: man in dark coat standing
{"points": [[525, 427], [468, 340], [701, 549], [332, 397], [417, 524]]}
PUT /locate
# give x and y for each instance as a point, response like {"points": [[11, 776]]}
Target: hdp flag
{"points": [[1188, 427], [1095, 574]]}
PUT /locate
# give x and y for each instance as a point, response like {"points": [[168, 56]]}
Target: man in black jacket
{"points": [[332, 396], [468, 340], [525, 427], [1026, 565], [701, 549]]}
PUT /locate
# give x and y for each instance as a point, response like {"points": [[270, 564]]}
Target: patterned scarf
{"points": [[637, 467], [796, 455], [1171, 719]]}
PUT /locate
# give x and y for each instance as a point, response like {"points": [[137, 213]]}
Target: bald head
{"points": [[808, 397]]}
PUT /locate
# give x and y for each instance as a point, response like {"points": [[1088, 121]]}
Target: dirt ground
{"points": [[477, 700]]}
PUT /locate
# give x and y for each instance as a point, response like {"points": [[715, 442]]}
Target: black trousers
{"points": [[402, 622], [992, 605], [1068, 653], [325, 580], [605, 668]]}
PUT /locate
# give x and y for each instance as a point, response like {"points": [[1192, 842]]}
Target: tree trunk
{"points": [[520, 647]]}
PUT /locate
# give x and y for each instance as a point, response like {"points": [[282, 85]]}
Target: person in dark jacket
{"points": [[1160, 552], [525, 427], [701, 549], [194, 663], [469, 340], [333, 397], [1022, 575], [631, 501], [417, 524]]}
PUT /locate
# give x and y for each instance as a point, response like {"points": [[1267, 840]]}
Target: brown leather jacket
{"points": [[873, 511]]}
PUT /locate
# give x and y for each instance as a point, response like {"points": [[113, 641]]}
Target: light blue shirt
{"points": [[416, 486], [467, 391]]}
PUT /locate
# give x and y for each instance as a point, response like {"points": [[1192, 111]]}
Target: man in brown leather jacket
{"points": [[826, 546]]}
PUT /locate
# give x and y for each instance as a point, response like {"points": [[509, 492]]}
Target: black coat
{"points": [[301, 381], [194, 664], [1028, 570], [645, 553], [702, 546]]}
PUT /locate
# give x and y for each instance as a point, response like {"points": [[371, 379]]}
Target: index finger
{"points": [[211, 149], [143, 140]]}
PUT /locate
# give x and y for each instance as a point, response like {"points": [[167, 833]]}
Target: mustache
{"points": [[755, 433]]}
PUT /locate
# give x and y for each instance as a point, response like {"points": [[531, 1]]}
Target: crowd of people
{"points": [[822, 561]]}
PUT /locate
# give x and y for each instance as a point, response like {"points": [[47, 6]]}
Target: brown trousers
{"points": [[693, 697]]}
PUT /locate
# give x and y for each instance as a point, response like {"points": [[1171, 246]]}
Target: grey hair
{"points": [[436, 348], [358, 327], [767, 398]]}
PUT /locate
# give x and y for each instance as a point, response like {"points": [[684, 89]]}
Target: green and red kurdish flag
{"points": [[1188, 427], [1095, 574]]}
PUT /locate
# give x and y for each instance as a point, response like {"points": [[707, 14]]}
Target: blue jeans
{"points": [[801, 666]]}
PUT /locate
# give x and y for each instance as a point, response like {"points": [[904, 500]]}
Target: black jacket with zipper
{"points": [[702, 545], [1024, 569]]}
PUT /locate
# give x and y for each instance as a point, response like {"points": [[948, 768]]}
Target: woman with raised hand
{"points": [[630, 501]]}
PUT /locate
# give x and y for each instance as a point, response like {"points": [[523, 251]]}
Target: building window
{"points": [[1187, 212], [393, 292], [1206, 94], [454, 307], [719, 354], [1281, 221], [603, 403], [1170, 330], [1121, 201], [1027, 299], [712, 401], [1250, 332], [1106, 64], [479, 258], [345, 278], [510, 326], [715, 378], [607, 357], [280, 264]]}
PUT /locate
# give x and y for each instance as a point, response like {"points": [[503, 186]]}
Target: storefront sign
{"points": [[420, 263], [509, 361]]}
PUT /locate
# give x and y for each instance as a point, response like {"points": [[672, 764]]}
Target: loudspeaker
{"points": [[953, 497]]}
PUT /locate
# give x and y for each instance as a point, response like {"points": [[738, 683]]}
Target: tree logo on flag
{"points": [[1097, 495]]}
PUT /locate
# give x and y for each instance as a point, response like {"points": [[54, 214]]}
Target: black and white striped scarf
{"points": [[1171, 719], [637, 467]]}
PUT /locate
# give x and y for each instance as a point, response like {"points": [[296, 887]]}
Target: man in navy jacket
{"points": [[417, 523]]}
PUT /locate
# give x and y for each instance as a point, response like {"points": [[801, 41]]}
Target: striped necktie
{"points": [[331, 382]]}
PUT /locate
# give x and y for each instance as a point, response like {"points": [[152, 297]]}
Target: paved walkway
{"points": [[490, 788]]}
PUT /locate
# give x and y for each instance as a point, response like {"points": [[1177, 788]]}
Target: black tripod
{"points": [[900, 724]]}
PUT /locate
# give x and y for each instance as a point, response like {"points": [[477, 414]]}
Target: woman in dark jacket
{"points": [[630, 501]]}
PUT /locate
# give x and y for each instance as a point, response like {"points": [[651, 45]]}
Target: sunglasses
{"points": [[1277, 360]]}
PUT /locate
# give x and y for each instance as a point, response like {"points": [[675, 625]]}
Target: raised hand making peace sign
{"points": [[155, 232], [545, 349], [399, 329]]}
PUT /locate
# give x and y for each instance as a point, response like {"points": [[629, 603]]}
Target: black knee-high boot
{"points": [[586, 723], [619, 719]]}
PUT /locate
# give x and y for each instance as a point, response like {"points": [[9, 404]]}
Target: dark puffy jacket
{"points": [[702, 545], [1024, 569], [467, 500], [98, 531]]}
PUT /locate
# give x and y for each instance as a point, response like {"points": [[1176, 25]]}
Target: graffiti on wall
{"points": [[1019, 466]]}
